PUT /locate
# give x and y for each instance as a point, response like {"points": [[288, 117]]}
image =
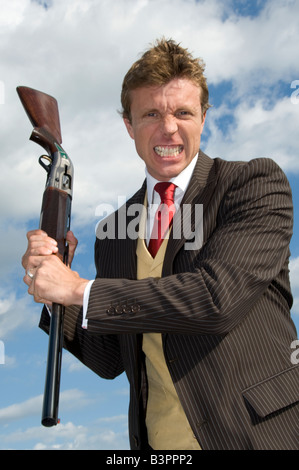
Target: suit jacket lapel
{"points": [[131, 239], [199, 191]]}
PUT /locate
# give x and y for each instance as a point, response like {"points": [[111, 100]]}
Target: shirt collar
{"points": [[181, 181]]}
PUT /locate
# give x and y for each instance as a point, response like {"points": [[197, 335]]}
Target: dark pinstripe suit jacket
{"points": [[223, 311]]}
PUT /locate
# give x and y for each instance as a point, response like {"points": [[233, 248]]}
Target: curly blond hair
{"points": [[160, 64]]}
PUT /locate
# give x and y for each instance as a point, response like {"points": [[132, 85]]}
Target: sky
{"points": [[79, 51]]}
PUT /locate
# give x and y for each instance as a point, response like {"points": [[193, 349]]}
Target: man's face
{"points": [[166, 125]]}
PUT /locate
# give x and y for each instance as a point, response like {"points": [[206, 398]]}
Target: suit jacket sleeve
{"points": [[241, 257], [99, 353]]}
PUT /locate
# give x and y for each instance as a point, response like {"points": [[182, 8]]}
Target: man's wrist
{"points": [[78, 293]]}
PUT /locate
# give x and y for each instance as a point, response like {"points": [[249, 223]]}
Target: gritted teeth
{"points": [[164, 151]]}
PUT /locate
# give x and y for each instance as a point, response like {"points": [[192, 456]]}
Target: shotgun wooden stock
{"points": [[42, 110]]}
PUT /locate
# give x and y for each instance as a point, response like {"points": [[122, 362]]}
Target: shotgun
{"points": [[42, 110]]}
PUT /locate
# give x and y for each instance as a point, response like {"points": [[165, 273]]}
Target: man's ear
{"points": [[203, 121], [129, 127]]}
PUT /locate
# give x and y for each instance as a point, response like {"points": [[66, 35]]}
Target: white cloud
{"points": [[256, 131], [16, 314], [42, 48], [104, 433], [68, 436], [12, 14], [13, 246], [21, 410], [68, 399]]}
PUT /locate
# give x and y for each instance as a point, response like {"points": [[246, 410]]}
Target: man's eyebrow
{"points": [[150, 110]]}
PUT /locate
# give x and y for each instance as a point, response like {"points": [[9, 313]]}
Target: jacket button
{"points": [[135, 308], [118, 309], [110, 310], [126, 309]]}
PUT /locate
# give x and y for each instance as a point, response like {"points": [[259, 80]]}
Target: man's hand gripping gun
{"points": [[43, 114]]}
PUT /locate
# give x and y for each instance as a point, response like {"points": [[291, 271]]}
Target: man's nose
{"points": [[169, 125]]}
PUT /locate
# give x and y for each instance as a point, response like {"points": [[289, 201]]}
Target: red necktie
{"points": [[163, 217]]}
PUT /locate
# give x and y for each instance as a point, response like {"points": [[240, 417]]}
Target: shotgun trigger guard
{"points": [[46, 166]]}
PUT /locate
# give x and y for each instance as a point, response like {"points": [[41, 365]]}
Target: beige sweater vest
{"points": [[167, 425]]}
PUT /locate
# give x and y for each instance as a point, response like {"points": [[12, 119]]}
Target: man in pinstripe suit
{"points": [[203, 331]]}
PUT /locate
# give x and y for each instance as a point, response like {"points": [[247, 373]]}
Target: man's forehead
{"points": [[176, 89]]}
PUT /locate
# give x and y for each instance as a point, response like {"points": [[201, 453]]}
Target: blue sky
{"points": [[79, 52]]}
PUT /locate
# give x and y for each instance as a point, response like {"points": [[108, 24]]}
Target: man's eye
{"points": [[183, 113]]}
